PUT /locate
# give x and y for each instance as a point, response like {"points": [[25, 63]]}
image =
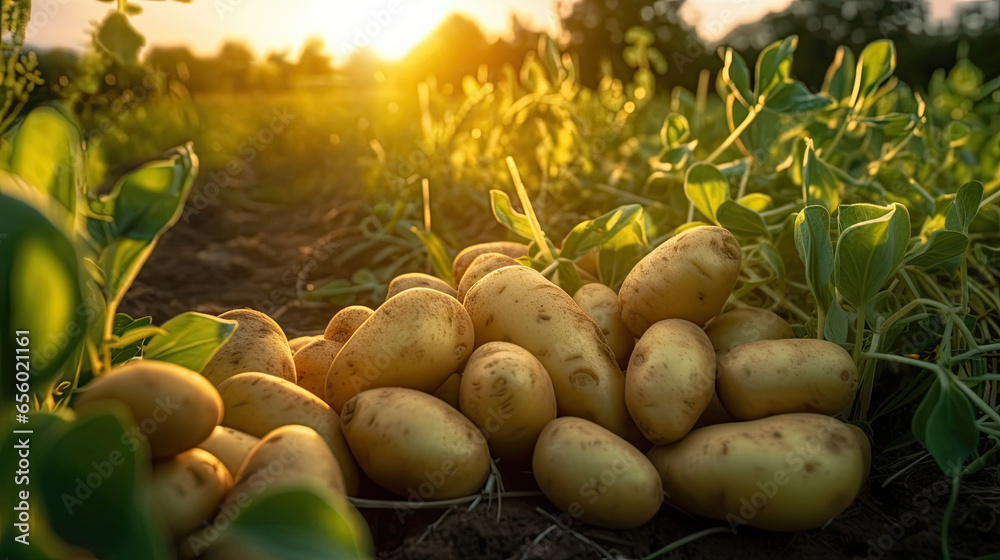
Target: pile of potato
{"points": [[727, 416]]}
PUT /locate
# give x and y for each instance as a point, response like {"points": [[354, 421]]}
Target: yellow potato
{"points": [[312, 362], [416, 339], [601, 304], [790, 472], [481, 266], [174, 408], [469, 254], [594, 475], [508, 395], [670, 380], [690, 277], [258, 344], [258, 403], [518, 305], [186, 489], [229, 446], [746, 324], [448, 391], [300, 342], [345, 322], [412, 280], [414, 444], [769, 377]]}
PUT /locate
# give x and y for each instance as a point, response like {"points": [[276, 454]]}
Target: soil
{"points": [[237, 253]]}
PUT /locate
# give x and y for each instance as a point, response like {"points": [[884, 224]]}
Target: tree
{"points": [[452, 51], [233, 64], [312, 60]]}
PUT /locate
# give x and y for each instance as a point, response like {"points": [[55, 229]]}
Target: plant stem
{"points": [[735, 134], [820, 321], [681, 542], [522, 194], [955, 485]]}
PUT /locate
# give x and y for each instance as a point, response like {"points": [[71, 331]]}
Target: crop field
{"points": [[557, 307]]}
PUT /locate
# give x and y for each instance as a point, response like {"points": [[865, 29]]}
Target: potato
{"points": [[594, 475], [312, 362], [790, 472], [690, 277], [258, 344], [229, 446], [464, 258], [670, 380], [186, 489], [416, 339], [518, 305], [414, 444], [287, 455], [746, 324], [300, 342], [508, 395], [448, 391], [174, 408], [412, 280], [345, 322], [769, 377], [257, 403], [481, 266], [601, 304]]}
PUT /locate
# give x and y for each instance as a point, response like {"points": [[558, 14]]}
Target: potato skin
{"points": [[602, 305], [258, 403], [257, 344], [187, 488], [690, 276], [415, 445], [312, 362], [518, 305], [416, 339], [481, 266], [670, 380], [175, 408], [412, 280], [746, 324], [790, 472], [345, 322], [465, 257], [594, 475], [229, 446], [508, 395], [448, 391], [769, 377]]}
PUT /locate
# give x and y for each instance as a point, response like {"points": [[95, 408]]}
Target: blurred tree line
{"points": [[595, 33]]}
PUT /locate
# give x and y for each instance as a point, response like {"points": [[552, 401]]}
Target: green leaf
{"points": [[437, 252], [794, 97], [757, 201], [839, 79], [837, 322], [191, 340], [124, 324], [619, 255], [819, 184], [965, 207], [92, 471], [956, 133], [951, 433], [812, 239], [740, 219], [48, 154], [301, 522], [504, 212], [869, 252], [893, 124], [121, 261], [944, 248], [774, 65], [923, 413], [41, 292], [875, 65], [706, 187], [150, 199], [675, 130], [566, 276], [594, 233], [736, 75]]}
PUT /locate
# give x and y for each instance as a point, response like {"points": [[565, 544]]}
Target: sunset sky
{"points": [[391, 26]]}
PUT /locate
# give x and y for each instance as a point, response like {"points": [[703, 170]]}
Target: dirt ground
{"points": [[255, 255]]}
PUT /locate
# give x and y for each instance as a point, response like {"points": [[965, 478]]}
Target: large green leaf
{"points": [[869, 251], [47, 152], [122, 327], [812, 239], [191, 340], [839, 80], [944, 248], [794, 97], [964, 208], [93, 471], [618, 255], [508, 217], [774, 65], [736, 74], [594, 233], [819, 184], [706, 187], [945, 424], [739, 219], [875, 65], [41, 297]]}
